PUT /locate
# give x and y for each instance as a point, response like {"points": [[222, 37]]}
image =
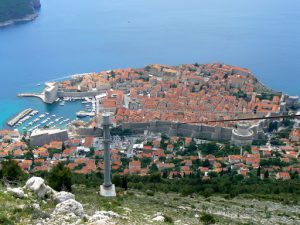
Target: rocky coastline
{"points": [[17, 21]]}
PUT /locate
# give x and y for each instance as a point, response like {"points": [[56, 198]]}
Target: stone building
{"points": [[40, 137]]}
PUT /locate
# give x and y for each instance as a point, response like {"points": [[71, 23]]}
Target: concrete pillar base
{"points": [[108, 192]]}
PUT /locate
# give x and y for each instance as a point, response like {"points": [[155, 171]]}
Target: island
{"points": [[16, 11]]}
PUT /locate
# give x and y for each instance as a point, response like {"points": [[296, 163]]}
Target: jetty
{"points": [[18, 117], [41, 96]]}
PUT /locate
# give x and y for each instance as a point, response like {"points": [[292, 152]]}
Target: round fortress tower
{"points": [[242, 135]]}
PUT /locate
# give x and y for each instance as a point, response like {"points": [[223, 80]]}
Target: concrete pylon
{"points": [[107, 189]]}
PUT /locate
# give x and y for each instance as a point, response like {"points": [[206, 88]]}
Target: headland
{"points": [[18, 11]]}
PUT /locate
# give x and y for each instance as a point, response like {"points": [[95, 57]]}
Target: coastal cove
{"points": [[134, 33]]}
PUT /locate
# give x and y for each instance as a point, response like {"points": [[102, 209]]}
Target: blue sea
{"points": [[76, 36]]}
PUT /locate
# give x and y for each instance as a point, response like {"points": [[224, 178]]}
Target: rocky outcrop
{"points": [[103, 217], [63, 196], [158, 217], [17, 192], [69, 206], [38, 186], [66, 211]]}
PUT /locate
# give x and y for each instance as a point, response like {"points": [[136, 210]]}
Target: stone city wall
{"points": [[83, 132], [181, 129], [62, 94], [40, 140]]}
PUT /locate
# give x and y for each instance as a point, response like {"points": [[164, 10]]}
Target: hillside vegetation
{"points": [[15, 9], [137, 207]]}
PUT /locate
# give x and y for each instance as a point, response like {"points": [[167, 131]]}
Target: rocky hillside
{"points": [[37, 203]]}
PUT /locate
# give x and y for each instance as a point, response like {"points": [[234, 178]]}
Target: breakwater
{"points": [[18, 117]]}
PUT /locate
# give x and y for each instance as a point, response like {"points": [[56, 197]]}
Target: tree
{"points": [[117, 180], [258, 171], [273, 126], [125, 183], [206, 163], [60, 178], [153, 168], [267, 174], [155, 178], [164, 139], [192, 147], [12, 171], [209, 148]]}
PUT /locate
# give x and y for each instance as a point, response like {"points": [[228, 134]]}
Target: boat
{"points": [[33, 113], [62, 103], [82, 114]]}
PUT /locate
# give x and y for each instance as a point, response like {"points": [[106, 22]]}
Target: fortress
{"points": [[52, 92]]}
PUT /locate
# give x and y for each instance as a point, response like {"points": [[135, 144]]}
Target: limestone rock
{"points": [[159, 219], [36, 206], [38, 186], [63, 196], [110, 214], [69, 206], [102, 217], [34, 183], [17, 192]]}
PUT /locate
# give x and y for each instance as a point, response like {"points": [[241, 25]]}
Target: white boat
{"points": [[82, 114], [62, 103]]}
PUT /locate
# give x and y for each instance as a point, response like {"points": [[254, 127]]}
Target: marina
{"points": [[28, 120]]}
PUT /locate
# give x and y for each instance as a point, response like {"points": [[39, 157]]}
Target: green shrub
{"points": [[12, 171], [150, 193], [4, 220], [60, 178], [168, 219], [207, 219]]}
